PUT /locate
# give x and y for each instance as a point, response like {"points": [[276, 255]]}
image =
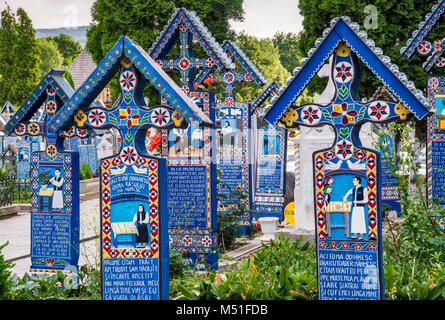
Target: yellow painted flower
{"points": [[34, 128], [289, 116], [401, 110], [80, 118], [70, 132], [51, 150], [126, 62], [177, 118], [343, 49]]}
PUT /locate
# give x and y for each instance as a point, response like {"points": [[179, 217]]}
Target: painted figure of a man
{"points": [[359, 200]]}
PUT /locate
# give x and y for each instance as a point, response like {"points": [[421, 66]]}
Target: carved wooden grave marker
{"points": [[347, 176], [54, 179], [436, 145], [190, 150], [435, 89], [233, 123], [270, 154], [133, 185]]}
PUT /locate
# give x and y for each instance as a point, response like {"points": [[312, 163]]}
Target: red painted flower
{"points": [[184, 64], [160, 116], [187, 240], [131, 115], [127, 80], [228, 77], [344, 149], [97, 117], [378, 110], [206, 241], [129, 155], [20, 129], [344, 73], [311, 114], [346, 112]]}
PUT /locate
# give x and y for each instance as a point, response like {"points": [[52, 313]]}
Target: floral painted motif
{"points": [[378, 110], [129, 117], [96, 117], [344, 113], [51, 150], [343, 149], [160, 116], [184, 64], [34, 128], [424, 47], [343, 72], [229, 101], [206, 241], [129, 155], [20, 129], [311, 114], [187, 240], [51, 106], [127, 80]]}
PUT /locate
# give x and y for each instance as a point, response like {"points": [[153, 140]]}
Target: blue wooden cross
{"points": [[187, 27], [347, 200], [229, 76]]}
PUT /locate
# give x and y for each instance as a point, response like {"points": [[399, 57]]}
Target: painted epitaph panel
{"points": [[348, 245], [436, 145], [134, 243], [270, 172], [54, 211], [390, 192], [192, 187], [233, 123]]}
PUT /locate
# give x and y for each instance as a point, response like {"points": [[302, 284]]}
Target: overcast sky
{"points": [[262, 17]]}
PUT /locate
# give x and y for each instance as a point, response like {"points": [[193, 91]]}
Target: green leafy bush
{"points": [[85, 171], [283, 269], [177, 265], [414, 248], [5, 274]]}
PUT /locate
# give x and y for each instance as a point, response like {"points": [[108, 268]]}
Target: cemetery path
{"points": [[17, 230]]}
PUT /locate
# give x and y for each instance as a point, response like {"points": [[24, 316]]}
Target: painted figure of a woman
{"points": [[141, 219]]}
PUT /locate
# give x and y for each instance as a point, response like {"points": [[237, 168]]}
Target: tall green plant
{"points": [[5, 274], [413, 250]]}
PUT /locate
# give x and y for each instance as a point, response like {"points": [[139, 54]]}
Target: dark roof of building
{"points": [[82, 68]]}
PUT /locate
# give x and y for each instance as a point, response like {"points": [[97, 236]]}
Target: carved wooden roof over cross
{"points": [[229, 76], [36, 112], [346, 35], [418, 43], [184, 27]]}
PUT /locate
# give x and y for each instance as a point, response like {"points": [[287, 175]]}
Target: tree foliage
{"points": [[68, 48], [143, 20], [19, 57], [50, 56], [266, 57], [287, 45]]}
